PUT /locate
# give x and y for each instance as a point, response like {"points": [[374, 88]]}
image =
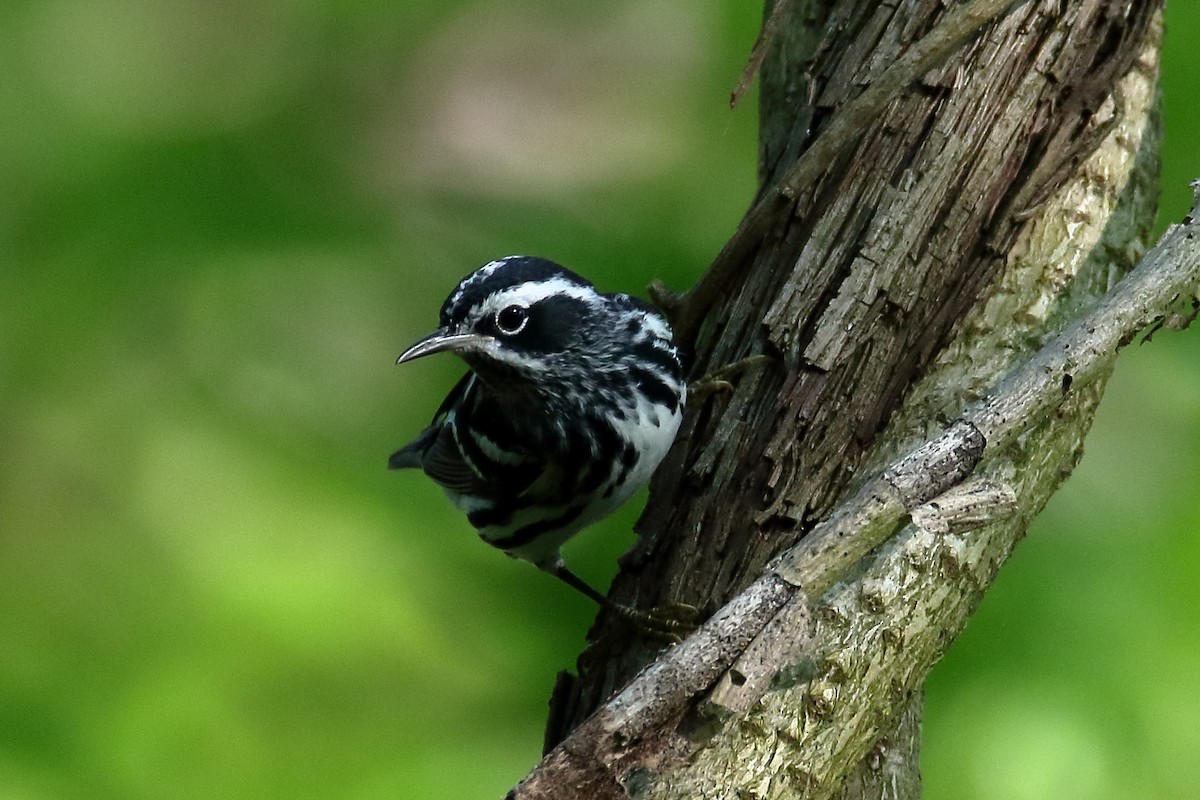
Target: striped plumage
{"points": [[572, 399]]}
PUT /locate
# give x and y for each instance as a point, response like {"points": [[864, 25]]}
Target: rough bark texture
{"points": [[945, 245], [660, 731]]}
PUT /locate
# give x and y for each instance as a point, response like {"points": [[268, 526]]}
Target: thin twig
{"points": [[770, 32]]}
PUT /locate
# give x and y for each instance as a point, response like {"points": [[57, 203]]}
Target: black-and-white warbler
{"points": [[572, 399]]}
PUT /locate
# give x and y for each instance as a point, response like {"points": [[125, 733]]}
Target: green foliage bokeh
{"points": [[222, 222]]}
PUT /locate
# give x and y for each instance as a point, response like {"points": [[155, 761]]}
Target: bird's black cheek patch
{"points": [[553, 324]]}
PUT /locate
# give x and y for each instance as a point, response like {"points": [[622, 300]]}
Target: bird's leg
{"points": [[668, 623], [719, 379]]}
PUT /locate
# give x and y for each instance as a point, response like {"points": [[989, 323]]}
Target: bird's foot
{"points": [[665, 625], [669, 623], [719, 379]]}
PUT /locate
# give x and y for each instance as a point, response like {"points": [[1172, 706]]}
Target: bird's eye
{"points": [[510, 320]]}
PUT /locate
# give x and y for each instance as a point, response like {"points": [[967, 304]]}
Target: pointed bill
{"points": [[442, 341]]}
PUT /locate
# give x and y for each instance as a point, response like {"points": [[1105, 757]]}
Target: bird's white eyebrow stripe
{"points": [[526, 294]]}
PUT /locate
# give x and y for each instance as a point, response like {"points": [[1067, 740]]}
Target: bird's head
{"points": [[526, 320]]}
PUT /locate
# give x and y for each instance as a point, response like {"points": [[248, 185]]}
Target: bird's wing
{"points": [[440, 456], [412, 455], [443, 462]]}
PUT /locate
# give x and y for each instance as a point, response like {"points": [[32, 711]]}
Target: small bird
{"points": [[571, 400]]}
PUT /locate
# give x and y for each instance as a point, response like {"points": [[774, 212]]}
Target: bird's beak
{"points": [[440, 341]]}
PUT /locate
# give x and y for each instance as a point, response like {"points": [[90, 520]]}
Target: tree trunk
{"points": [[949, 238]]}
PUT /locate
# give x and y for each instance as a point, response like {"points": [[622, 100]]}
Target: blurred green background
{"points": [[222, 221]]}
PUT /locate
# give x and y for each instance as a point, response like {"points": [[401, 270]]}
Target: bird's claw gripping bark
{"points": [[719, 379], [668, 623]]}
